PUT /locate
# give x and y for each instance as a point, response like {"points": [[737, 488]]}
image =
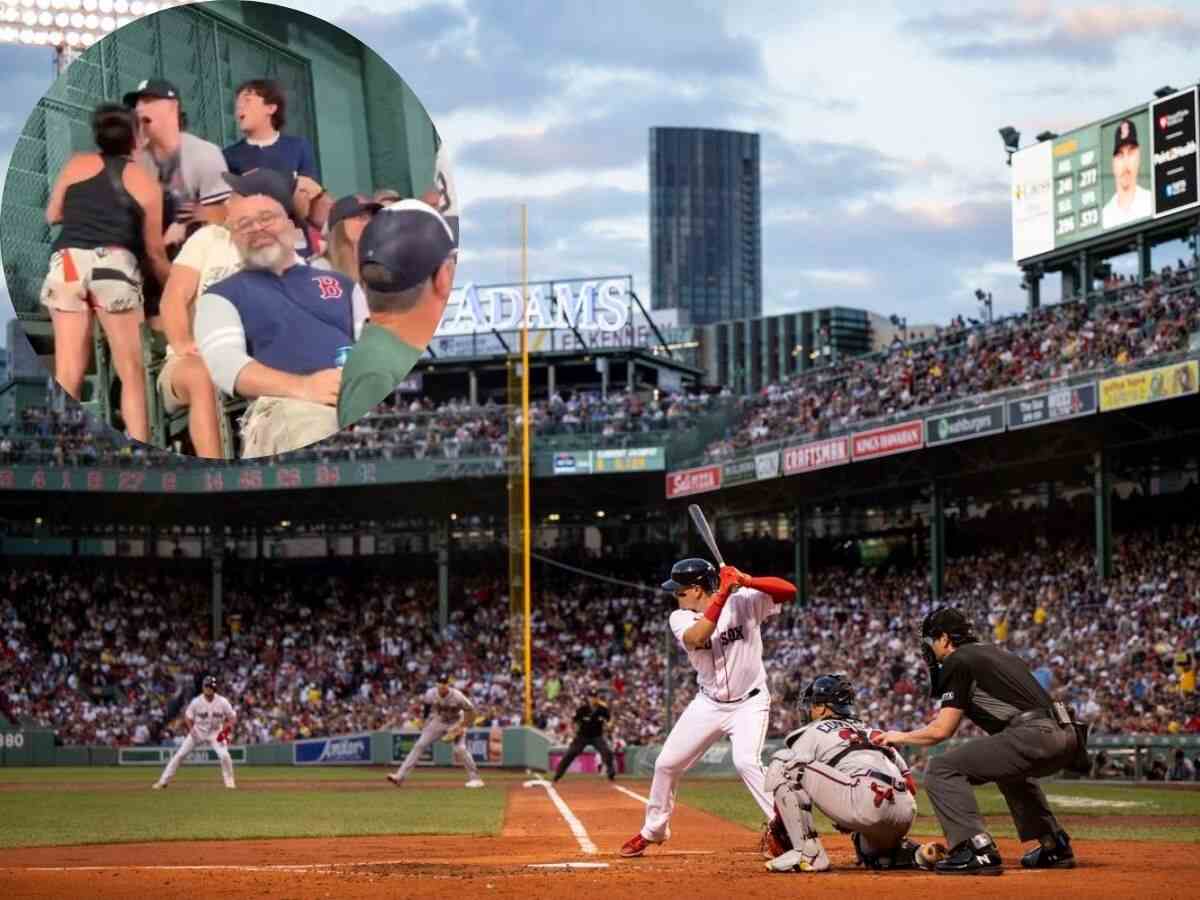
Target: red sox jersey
{"points": [[447, 709], [831, 739], [730, 664], [208, 717]]}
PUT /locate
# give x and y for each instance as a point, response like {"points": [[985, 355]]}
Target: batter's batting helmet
{"points": [[687, 572], [210, 681], [951, 622], [834, 691]]}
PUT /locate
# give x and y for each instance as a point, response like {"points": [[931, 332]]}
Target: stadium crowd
{"points": [[1137, 321], [102, 656]]}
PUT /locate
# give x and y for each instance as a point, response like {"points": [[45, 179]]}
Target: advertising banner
{"points": [[766, 465], [1052, 406], [351, 750], [588, 762], [486, 746], [965, 425], [160, 756], [816, 455], [1148, 386], [693, 481], [887, 441], [1174, 168], [738, 471], [1033, 201], [402, 744], [632, 459], [573, 462]]}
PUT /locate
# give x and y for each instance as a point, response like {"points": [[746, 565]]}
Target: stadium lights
{"points": [[599, 514], [1165, 91], [1012, 140], [1047, 135], [70, 24]]}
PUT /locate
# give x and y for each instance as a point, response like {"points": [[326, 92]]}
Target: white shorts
{"points": [[106, 278]]}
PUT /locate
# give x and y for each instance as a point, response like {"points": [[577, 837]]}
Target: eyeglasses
{"points": [[264, 219]]}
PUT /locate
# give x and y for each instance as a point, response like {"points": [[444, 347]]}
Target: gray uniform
{"points": [[996, 691], [864, 789], [446, 713]]}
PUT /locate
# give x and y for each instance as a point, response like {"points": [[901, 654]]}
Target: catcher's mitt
{"points": [[774, 840]]}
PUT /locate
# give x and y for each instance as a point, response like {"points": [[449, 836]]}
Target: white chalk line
{"points": [[577, 829], [628, 793], [306, 867]]}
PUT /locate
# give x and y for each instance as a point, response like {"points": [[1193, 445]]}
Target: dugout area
{"points": [[348, 833]]}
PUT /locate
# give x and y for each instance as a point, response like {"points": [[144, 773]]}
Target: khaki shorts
{"points": [[273, 425], [106, 278], [171, 403]]}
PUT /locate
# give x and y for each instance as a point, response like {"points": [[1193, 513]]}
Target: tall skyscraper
{"points": [[705, 223]]}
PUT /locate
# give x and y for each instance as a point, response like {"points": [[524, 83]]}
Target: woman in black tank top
{"points": [[111, 238]]}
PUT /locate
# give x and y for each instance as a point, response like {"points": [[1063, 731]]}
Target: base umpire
{"points": [[1029, 736], [590, 720]]}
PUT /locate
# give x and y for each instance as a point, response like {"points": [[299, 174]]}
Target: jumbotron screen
{"points": [[1102, 177]]}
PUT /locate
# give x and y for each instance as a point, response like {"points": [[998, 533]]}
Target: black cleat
{"points": [[1054, 853], [977, 856]]}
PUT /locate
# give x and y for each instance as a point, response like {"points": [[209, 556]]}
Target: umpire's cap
{"points": [[948, 621], [691, 571], [835, 691], [404, 244]]}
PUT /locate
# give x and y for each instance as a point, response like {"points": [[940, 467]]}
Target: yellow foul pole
{"points": [[525, 468]]}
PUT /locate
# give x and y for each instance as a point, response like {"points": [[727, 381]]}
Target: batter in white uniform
{"points": [[717, 623], [210, 719], [831, 764], [448, 712]]}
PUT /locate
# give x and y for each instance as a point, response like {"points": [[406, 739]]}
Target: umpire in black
{"points": [[1029, 736], [590, 720]]}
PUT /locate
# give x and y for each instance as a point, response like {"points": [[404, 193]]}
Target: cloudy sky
{"points": [[884, 184]]}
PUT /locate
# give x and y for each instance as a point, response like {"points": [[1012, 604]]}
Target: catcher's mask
{"points": [[833, 691], [950, 622], [692, 571]]}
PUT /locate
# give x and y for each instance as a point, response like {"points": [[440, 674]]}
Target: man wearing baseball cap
{"points": [[1131, 201], [189, 168], [406, 261], [345, 223]]}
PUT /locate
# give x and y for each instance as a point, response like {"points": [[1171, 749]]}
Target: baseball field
{"points": [[339, 832]]}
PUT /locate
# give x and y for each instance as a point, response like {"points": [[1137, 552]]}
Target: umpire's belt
{"points": [[735, 699]]}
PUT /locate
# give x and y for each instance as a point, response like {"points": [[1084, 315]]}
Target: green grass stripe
{"points": [[103, 775]]}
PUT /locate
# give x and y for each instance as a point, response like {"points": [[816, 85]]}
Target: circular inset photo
{"points": [[228, 229]]}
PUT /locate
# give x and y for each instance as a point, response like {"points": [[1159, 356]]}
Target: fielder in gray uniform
{"points": [[1029, 736], [830, 763], [448, 712]]}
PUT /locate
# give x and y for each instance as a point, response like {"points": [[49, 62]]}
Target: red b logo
{"points": [[330, 287]]}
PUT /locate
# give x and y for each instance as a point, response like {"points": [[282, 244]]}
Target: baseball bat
{"points": [[706, 533]]}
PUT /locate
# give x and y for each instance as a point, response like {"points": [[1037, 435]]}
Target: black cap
{"points": [[155, 88], [946, 620], [1126, 135], [687, 572], [353, 205], [268, 182], [402, 245], [210, 681]]}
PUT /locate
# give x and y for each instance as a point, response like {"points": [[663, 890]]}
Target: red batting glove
{"points": [[730, 579], [910, 784], [223, 735]]}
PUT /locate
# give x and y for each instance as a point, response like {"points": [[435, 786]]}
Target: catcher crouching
{"points": [[831, 763]]}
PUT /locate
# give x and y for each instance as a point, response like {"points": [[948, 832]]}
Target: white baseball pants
{"points": [[190, 743], [430, 733]]}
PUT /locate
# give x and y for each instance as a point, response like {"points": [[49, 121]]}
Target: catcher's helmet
{"points": [[210, 681], [948, 621], [834, 691], [692, 571]]}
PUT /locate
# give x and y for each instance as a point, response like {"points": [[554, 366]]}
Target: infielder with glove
{"points": [[830, 763], [448, 712], [718, 623], [210, 719]]}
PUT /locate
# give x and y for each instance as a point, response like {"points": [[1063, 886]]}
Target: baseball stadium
{"points": [[449, 635]]}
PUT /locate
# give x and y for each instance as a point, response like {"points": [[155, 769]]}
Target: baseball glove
{"points": [[223, 735], [774, 840], [452, 735]]}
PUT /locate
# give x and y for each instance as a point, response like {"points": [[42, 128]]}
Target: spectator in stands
{"points": [[260, 107], [188, 168], [346, 221], [111, 214], [274, 331], [1180, 770], [407, 261]]}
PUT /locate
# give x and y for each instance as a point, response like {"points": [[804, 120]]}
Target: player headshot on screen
{"points": [[1131, 201]]}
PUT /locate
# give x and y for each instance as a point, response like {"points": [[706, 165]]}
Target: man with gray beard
{"points": [[278, 332]]}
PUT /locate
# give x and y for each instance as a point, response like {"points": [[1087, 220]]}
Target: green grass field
{"points": [[105, 805], [1071, 801], [59, 806]]}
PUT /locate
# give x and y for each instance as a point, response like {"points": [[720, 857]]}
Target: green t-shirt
{"points": [[378, 362]]}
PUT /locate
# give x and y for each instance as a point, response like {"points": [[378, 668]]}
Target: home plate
{"points": [[568, 865]]}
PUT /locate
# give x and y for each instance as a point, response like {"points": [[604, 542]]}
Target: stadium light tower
{"points": [[1047, 135], [1012, 140], [1165, 91], [68, 27]]}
